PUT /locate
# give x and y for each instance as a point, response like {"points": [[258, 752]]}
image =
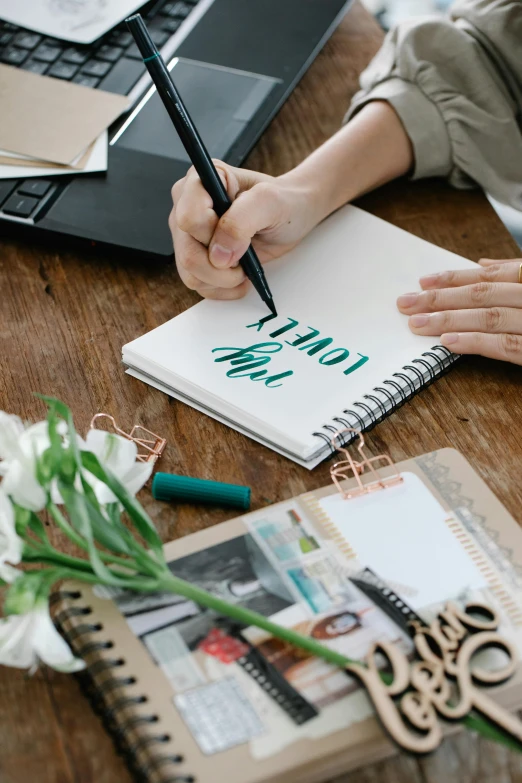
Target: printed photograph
{"points": [[235, 570], [350, 630]]}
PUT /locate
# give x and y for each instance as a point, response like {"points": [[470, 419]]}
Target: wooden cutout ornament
{"points": [[443, 682]]}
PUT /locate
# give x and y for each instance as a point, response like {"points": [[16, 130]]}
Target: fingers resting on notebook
{"points": [[272, 213], [477, 311]]}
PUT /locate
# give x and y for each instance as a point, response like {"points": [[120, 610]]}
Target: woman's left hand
{"points": [[475, 310]]}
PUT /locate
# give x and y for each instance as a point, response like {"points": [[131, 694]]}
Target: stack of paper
{"points": [[49, 126], [81, 21]]}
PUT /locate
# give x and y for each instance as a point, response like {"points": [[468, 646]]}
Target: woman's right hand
{"points": [[274, 213]]}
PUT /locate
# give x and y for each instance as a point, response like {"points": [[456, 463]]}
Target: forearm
{"points": [[369, 151]]}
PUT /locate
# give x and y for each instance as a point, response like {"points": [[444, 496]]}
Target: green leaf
{"points": [[57, 459], [22, 519], [45, 468], [139, 517], [54, 404], [80, 513], [112, 537], [113, 512], [57, 408], [38, 528], [108, 529], [27, 520]]}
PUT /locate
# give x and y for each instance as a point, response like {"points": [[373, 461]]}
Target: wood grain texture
{"points": [[63, 319]]}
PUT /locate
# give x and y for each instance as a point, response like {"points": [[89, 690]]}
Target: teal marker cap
{"points": [[169, 487]]}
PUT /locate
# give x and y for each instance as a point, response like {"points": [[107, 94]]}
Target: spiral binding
{"points": [[401, 387], [103, 697]]}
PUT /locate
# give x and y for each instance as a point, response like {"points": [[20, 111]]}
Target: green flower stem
{"points": [[51, 556], [77, 539], [179, 586], [491, 731], [173, 584], [133, 583]]}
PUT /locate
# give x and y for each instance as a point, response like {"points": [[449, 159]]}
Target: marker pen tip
{"points": [[271, 305]]}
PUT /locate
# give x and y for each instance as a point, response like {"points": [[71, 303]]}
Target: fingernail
{"points": [[429, 280], [407, 300], [219, 255], [449, 339], [419, 320]]}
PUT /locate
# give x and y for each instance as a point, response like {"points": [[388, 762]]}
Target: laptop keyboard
{"points": [[111, 63]]}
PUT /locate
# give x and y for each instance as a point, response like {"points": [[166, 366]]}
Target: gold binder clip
{"points": [[350, 468], [149, 448]]}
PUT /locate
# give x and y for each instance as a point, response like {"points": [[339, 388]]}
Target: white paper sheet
{"points": [[343, 281], [400, 533], [97, 162], [80, 21]]}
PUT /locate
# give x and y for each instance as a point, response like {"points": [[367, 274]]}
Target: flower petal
{"points": [[16, 641], [49, 645], [137, 476], [102, 491], [8, 572], [10, 543], [11, 428], [35, 440], [21, 484], [115, 453]]}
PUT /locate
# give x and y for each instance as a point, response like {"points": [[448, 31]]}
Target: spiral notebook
{"points": [[338, 353], [188, 698]]}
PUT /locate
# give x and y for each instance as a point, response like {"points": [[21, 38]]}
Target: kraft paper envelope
{"points": [[50, 119], [10, 159], [96, 161]]}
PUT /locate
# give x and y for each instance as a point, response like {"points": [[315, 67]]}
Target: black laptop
{"points": [[234, 62]]}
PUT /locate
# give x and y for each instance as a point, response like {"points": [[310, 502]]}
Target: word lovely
{"points": [[245, 362]]}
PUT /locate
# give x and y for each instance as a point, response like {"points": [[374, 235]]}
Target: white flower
{"points": [[11, 427], [10, 542], [117, 455], [19, 448], [27, 639]]}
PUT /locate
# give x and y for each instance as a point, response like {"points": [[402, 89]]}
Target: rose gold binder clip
{"points": [[150, 446], [350, 468]]}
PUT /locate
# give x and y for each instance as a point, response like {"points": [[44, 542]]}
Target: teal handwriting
{"points": [[303, 342], [245, 362]]}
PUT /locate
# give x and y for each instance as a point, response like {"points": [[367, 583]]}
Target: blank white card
{"points": [[401, 534]]}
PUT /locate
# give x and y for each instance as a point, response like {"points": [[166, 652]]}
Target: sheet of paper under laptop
{"points": [[81, 21], [338, 353], [50, 119], [94, 159]]}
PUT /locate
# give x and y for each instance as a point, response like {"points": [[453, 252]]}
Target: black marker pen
{"points": [[194, 146]]}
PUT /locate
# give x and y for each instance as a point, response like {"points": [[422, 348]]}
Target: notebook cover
{"points": [[115, 655]]}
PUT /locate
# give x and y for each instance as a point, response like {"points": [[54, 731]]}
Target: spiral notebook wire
{"points": [[136, 732], [365, 414]]}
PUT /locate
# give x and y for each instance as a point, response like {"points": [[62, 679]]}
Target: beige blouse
{"points": [[456, 84]]}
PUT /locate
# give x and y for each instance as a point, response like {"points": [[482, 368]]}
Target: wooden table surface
{"points": [[63, 319]]}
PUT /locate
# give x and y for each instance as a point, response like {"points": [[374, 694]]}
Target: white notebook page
{"points": [[401, 534], [340, 286]]}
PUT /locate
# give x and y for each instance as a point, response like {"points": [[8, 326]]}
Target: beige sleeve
{"points": [[457, 94]]}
